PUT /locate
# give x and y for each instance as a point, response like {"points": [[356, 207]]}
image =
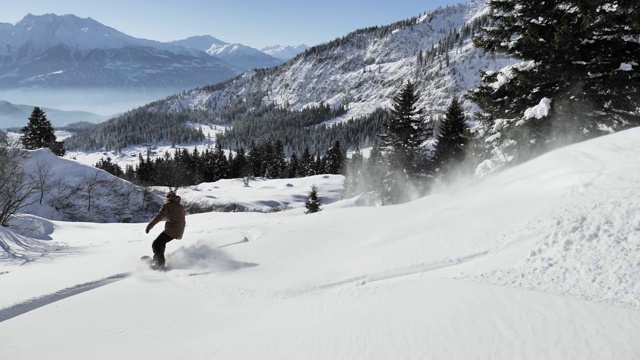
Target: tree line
{"points": [[266, 160]]}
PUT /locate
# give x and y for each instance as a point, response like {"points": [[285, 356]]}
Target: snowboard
{"points": [[148, 261]]}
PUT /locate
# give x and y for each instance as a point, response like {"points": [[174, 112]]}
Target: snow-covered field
{"points": [[541, 261]]}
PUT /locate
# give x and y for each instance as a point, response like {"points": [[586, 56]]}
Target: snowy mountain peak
{"points": [[241, 56], [37, 33], [200, 42], [284, 52]]}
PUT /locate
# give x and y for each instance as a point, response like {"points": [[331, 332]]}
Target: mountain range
{"points": [[98, 66], [67, 51], [16, 115]]}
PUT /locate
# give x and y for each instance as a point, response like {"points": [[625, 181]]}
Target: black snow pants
{"points": [[158, 246]]}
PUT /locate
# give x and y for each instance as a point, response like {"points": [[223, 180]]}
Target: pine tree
{"points": [[293, 168], [255, 159], [402, 147], [110, 167], [39, 133], [277, 163], [145, 171], [334, 162], [406, 132], [579, 54], [307, 163], [453, 138], [314, 202], [221, 164], [239, 168]]}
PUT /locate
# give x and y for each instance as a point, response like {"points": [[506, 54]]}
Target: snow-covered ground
{"points": [[541, 261]]}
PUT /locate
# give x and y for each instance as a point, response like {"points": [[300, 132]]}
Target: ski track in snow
{"points": [[38, 302], [44, 300], [386, 275], [41, 301]]}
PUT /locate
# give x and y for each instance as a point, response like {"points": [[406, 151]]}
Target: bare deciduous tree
{"points": [[16, 187]]}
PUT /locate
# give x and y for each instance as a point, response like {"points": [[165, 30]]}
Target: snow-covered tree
{"points": [[314, 202], [582, 56]]}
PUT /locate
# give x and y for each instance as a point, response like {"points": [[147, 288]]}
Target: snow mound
{"points": [[588, 245], [15, 248]]}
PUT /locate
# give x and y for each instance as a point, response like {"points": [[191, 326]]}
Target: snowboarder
{"points": [[173, 212]]}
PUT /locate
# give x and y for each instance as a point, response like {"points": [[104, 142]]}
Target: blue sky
{"points": [[257, 23]]}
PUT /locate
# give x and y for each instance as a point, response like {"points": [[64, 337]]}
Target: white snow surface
{"points": [[540, 261]]}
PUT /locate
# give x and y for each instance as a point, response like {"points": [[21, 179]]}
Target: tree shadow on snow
{"points": [[23, 249]]}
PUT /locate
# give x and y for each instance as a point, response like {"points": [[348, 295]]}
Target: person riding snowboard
{"points": [[173, 212]]}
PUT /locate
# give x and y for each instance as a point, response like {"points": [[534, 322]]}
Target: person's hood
{"points": [[175, 199]]}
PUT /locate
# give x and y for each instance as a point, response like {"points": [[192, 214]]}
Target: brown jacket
{"points": [[173, 212]]}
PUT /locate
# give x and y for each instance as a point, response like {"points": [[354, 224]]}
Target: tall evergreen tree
{"points": [[402, 146], [145, 170], [307, 163], [240, 166], [277, 162], [335, 159], [255, 159], [453, 138], [406, 132], [39, 133], [579, 54], [221, 164], [293, 167]]}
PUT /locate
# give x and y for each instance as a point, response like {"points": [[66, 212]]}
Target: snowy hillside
{"points": [[541, 261], [364, 69], [79, 192]]}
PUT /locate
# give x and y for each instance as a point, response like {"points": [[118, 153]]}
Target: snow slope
{"points": [[537, 262]]}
